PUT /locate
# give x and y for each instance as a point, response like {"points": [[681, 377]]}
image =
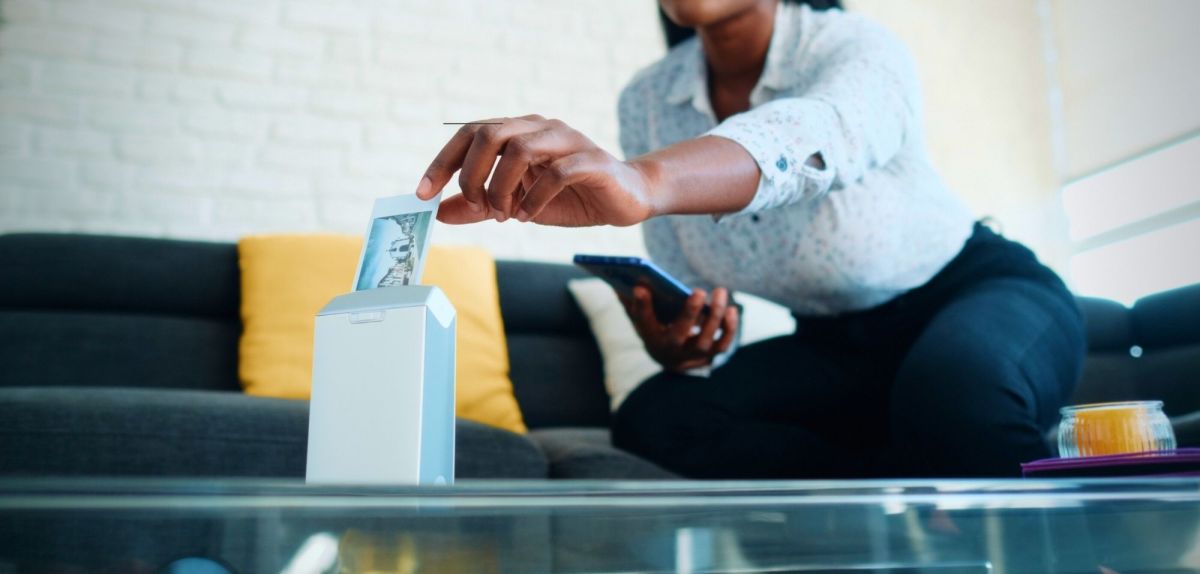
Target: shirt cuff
{"points": [[782, 154]]}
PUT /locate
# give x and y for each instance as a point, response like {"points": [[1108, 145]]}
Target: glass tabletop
{"points": [[566, 526]]}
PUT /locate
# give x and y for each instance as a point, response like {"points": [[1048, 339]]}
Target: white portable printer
{"points": [[382, 409]]}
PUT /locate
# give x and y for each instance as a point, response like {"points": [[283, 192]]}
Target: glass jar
{"points": [[1114, 428]]}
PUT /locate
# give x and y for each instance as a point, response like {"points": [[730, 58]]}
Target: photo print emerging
{"points": [[397, 242]]}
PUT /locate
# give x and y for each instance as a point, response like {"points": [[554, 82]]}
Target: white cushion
{"points": [[626, 362]]}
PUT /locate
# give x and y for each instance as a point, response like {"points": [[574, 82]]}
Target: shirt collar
{"points": [[691, 80], [779, 70], [691, 77]]}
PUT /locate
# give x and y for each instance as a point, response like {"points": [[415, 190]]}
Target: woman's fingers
{"points": [[556, 177], [505, 187], [474, 150], [457, 211], [729, 327], [630, 304], [520, 153], [681, 328], [716, 314], [644, 319], [530, 162], [487, 144], [448, 161], [633, 301], [678, 346]]}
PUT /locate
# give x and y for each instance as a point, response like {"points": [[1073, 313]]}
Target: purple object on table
{"points": [[1178, 462]]}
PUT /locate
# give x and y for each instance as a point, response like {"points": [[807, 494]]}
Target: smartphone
{"points": [[668, 294]]}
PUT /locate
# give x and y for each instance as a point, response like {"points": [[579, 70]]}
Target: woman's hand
{"points": [[689, 341], [547, 173]]}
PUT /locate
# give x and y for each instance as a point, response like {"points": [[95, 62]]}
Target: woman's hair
{"points": [[676, 33]]}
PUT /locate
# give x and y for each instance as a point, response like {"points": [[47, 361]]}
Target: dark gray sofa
{"points": [[118, 356]]}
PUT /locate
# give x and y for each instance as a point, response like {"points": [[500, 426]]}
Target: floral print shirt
{"points": [[875, 222]]}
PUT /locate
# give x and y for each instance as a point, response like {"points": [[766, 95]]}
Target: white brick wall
{"points": [[214, 119], [219, 118]]}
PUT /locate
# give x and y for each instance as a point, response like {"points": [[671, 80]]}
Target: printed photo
{"points": [[397, 242]]}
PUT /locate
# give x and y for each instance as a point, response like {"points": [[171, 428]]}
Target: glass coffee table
{"points": [[212, 526]]}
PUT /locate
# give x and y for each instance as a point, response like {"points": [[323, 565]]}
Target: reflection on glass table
{"points": [[203, 526]]}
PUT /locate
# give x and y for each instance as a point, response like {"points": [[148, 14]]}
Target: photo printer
{"points": [[382, 410]]}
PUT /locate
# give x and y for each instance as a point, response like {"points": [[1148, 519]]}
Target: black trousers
{"points": [[958, 378]]}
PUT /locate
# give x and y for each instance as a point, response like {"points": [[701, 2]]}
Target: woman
{"points": [[780, 152]]}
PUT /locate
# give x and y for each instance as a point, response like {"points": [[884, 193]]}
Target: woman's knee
{"points": [[1009, 348], [978, 417], [651, 416]]}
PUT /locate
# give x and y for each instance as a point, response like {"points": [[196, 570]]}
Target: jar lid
{"points": [[1111, 406]]}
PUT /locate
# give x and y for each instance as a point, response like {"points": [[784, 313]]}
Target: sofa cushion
{"points": [[118, 312], [1107, 377], [100, 349], [83, 431], [557, 381], [119, 274], [1170, 375], [1166, 329], [534, 298], [1168, 319], [483, 389], [1108, 323], [286, 279], [588, 453], [555, 364], [74, 431]]}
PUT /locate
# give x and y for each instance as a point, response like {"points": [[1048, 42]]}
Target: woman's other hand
{"points": [[691, 340], [546, 172]]}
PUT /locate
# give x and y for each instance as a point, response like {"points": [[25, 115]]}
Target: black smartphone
{"points": [[669, 295]]}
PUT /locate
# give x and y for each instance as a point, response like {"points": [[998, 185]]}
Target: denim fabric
{"points": [[960, 377]]}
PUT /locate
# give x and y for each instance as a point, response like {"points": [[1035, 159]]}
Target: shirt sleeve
{"points": [[855, 114]]}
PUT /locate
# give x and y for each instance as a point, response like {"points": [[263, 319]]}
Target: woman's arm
{"points": [[545, 171], [855, 116], [706, 175]]}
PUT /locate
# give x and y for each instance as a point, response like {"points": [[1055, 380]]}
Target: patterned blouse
{"points": [[875, 222]]}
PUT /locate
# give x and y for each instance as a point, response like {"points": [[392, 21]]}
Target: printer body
{"points": [[382, 407]]}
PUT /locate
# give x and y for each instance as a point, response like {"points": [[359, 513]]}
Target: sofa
{"points": [[118, 357]]}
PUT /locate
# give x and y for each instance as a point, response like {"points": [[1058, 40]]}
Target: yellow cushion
{"points": [[286, 279], [485, 393]]}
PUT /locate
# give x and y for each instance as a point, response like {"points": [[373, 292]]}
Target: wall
{"points": [[217, 118], [1131, 140], [987, 108], [213, 119], [1130, 79]]}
